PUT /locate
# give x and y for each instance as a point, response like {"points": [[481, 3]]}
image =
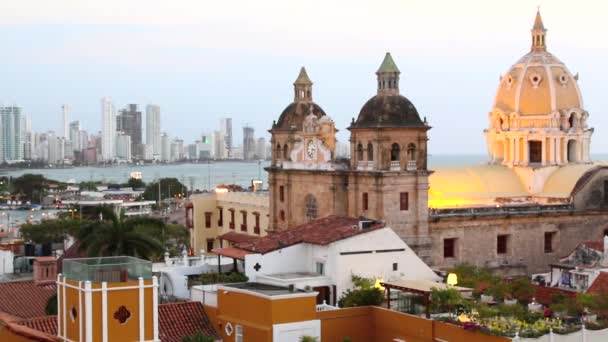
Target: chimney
{"points": [[45, 270]]}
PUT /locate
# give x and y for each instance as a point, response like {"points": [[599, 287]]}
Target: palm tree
{"points": [[115, 236]]}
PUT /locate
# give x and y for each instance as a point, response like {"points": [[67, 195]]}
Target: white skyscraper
{"points": [[165, 153], [74, 131], [56, 146], [153, 128], [219, 146], [226, 129], [108, 129], [65, 111], [12, 138]]}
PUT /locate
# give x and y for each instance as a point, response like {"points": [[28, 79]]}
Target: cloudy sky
{"points": [[201, 60]]}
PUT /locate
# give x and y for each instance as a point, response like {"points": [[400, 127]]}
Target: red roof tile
{"points": [[231, 252], [237, 237], [319, 232], [24, 299], [176, 321], [597, 245], [600, 284], [545, 294]]}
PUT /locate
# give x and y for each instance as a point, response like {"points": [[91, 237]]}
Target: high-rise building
{"points": [[83, 140], [177, 148], [165, 151], [74, 132], [248, 143], [65, 111], [153, 128], [56, 148], [123, 146], [226, 130], [219, 145], [108, 129], [12, 143], [129, 122], [260, 148]]}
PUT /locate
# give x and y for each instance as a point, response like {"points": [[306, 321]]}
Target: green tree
{"points": [[117, 235], [136, 183], [169, 187], [308, 338], [444, 300], [29, 184], [363, 293], [88, 186], [198, 337], [50, 230], [51, 305]]}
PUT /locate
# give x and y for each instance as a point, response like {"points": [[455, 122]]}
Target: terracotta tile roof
{"points": [[176, 321], [600, 284], [237, 237], [47, 324], [597, 245], [24, 299], [319, 232], [231, 252], [545, 294]]}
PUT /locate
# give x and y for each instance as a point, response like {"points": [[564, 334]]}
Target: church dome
{"points": [[538, 83], [388, 108], [388, 111], [294, 114]]}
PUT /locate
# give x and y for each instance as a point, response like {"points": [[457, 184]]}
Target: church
{"points": [[537, 196]]}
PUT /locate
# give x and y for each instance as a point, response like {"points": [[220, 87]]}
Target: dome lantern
{"points": [[302, 87], [539, 34], [388, 77]]}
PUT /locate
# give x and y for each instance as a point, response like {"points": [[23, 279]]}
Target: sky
{"points": [[202, 60]]}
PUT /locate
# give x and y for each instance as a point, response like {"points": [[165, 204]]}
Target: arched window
{"points": [[370, 151], [359, 152], [395, 152], [277, 153], [285, 152], [310, 207], [411, 152]]}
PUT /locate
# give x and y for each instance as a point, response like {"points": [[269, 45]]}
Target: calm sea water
{"points": [[204, 176]]}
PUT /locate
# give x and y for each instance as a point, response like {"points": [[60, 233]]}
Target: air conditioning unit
{"points": [[364, 224]]}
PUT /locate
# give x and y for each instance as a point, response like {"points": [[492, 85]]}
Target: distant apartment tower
{"points": [[56, 145], [128, 121], [65, 113], [153, 128], [108, 129], [226, 129], [260, 148], [83, 140], [177, 149], [74, 135], [12, 139], [165, 152], [123, 146], [248, 143], [219, 146]]}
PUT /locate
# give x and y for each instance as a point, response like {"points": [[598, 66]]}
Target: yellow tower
{"points": [[107, 299]]}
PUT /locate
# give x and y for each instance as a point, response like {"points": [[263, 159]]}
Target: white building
{"points": [[177, 148], [148, 152], [56, 148], [123, 146], [260, 148], [83, 140], [153, 128], [108, 129], [226, 130], [325, 253], [65, 112], [218, 145], [165, 152]]}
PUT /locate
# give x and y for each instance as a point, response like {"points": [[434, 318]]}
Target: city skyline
{"points": [[449, 68]]}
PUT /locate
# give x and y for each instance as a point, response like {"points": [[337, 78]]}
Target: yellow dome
{"points": [[539, 83]]}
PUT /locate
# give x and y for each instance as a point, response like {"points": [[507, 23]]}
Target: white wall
{"points": [[290, 259], [292, 332], [375, 265], [6, 262]]}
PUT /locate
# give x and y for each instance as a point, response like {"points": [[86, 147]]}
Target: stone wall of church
{"points": [[476, 239]]}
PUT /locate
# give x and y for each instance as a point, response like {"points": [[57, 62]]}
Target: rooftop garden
{"points": [[508, 307], [217, 278]]}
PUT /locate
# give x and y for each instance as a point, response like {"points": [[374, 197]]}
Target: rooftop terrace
{"points": [[108, 269]]}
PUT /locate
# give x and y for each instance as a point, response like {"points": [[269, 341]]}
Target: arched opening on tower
{"points": [[359, 152], [572, 151], [395, 152], [411, 152], [536, 152], [278, 151], [285, 152], [370, 152]]}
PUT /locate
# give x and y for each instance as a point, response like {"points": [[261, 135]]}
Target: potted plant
{"points": [[509, 300]]}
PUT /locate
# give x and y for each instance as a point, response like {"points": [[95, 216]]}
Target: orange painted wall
{"points": [[389, 325], [8, 336], [294, 309], [350, 322]]}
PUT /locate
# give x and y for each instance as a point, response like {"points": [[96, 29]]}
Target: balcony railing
{"points": [[411, 165], [395, 165]]}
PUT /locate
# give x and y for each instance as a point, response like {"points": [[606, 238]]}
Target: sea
{"points": [[203, 176]]}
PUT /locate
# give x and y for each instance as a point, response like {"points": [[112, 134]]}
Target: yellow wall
{"points": [[248, 201], [351, 322]]}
